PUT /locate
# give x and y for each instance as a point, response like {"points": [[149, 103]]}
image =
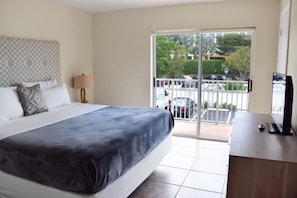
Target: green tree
{"points": [[209, 45], [228, 43], [240, 59], [169, 57], [163, 49], [188, 41]]}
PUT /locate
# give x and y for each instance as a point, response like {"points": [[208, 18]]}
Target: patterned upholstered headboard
{"points": [[28, 60]]}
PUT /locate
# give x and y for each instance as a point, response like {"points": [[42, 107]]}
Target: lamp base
{"points": [[83, 95], [84, 101]]}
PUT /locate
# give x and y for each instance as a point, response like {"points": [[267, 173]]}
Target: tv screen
{"points": [[281, 105]]}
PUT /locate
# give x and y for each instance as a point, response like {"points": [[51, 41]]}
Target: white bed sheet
{"points": [[19, 125], [15, 187]]}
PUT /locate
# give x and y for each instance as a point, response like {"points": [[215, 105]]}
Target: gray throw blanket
{"points": [[87, 152]]}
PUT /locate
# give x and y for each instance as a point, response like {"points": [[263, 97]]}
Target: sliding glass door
{"points": [[201, 77]]}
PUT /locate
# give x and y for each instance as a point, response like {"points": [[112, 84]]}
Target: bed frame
{"points": [[27, 60]]}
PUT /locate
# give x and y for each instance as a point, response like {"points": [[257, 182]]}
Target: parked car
{"points": [[161, 82], [215, 77], [178, 79], [188, 82], [212, 87], [221, 78], [162, 98], [182, 107], [278, 78], [211, 77]]}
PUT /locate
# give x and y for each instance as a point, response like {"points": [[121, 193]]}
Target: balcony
{"points": [[220, 99]]}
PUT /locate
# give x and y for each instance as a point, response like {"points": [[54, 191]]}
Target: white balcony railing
{"points": [[220, 99]]}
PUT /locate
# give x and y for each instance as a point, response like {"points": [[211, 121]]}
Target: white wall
{"points": [[292, 59], [283, 36], [122, 45], [50, 20], [122, 41]]}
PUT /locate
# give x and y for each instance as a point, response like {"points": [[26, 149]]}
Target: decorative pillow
{"points": [[10, 106], [56, 96], [43, 84], [32, 99]]}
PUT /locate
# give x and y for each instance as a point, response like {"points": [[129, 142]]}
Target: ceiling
{"points": [[95, 6]]}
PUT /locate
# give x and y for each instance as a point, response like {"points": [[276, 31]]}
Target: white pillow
{"points": [[43, 84], [10, 105], [56, 96]]}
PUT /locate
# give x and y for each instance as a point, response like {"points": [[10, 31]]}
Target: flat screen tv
{"points": [[281, 106]]}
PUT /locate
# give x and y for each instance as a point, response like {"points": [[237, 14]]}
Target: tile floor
{"points": [[192, 169]]}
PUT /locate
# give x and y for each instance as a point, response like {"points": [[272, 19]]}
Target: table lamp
{"points": [[83, 81]]}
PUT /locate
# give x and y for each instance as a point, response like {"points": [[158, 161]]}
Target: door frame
{"points": [[200, 68]]}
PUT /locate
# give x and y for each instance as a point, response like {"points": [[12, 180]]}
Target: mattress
{"points": [[83, 153]]}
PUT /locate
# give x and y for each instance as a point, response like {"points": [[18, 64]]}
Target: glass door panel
{"points": [[202, 92], [226, 58]]}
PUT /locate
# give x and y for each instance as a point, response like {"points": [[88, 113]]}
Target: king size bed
{"points": [[52, 147]]}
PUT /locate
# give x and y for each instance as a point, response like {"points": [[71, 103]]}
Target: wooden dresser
{"points": [[261, 165]]}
